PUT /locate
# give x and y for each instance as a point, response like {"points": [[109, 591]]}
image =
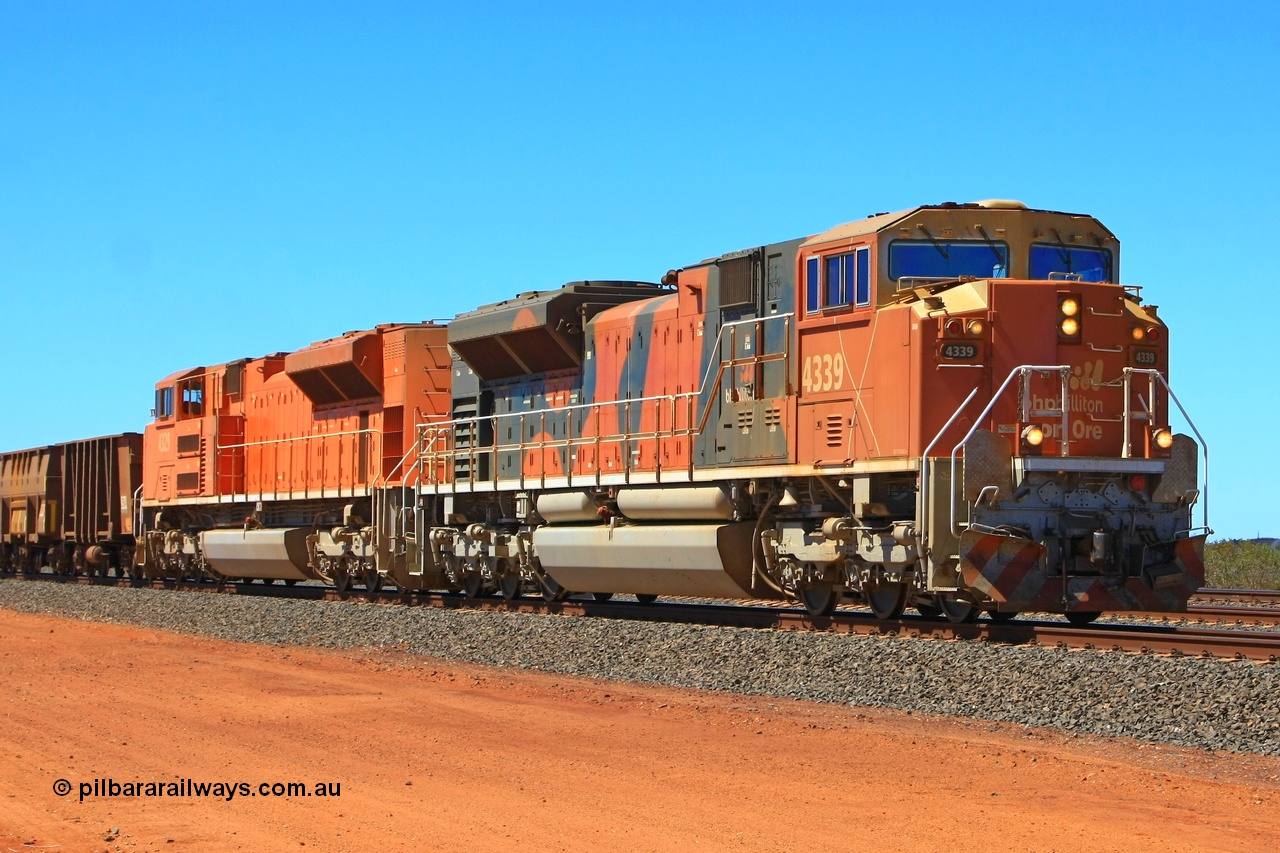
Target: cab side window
{"points": [[838, 281], [164, 404], [192, 399]]}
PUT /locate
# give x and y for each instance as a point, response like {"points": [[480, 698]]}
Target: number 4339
{"points": [[823, 372]]}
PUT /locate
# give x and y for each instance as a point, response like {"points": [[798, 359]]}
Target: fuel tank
{"points": [[274, 553], [703, 560]]}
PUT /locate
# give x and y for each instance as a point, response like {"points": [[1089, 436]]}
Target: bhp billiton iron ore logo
{"points": [[1087, 377]]}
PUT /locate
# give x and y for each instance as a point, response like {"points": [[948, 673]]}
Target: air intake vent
{"points": [[835, 430]]}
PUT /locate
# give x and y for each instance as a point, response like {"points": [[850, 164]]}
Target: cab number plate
{"points": [[959, 352], [1145, 357]]}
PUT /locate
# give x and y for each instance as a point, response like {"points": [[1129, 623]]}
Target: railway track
{"points": [[1171, 639]]}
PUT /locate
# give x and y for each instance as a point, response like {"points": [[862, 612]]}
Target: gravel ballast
{"points": [[1209, 704]]}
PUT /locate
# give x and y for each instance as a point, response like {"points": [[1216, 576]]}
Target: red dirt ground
{"points": [[434, 755]]}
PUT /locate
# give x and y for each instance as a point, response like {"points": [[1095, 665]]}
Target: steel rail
{"points": [[1243, 596], [1160, 639]]}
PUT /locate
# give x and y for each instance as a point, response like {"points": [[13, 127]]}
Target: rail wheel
{"points": [[928, 611], [819, 598], [372, 580], [957, 610], [887, 599], [290, 581], [511, 584], [341, 574], [646, 597], [1000, 617], [473, 584], [602, 596], [1082, 617]]}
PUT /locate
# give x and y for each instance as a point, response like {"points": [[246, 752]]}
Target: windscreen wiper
{"points": [[936, 244], [991, 244], [1063, 249]]}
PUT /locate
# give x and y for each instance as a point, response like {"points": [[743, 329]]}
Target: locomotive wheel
{"points": [[1082, 617], [928, 611], [646, 597], [372, 580], [551, 591], [602, 596], [290, 581], [957, 610], [341, 579], [887, 599], [473, 585], [819, 599], [1000, 617], [268, 581], [510, 585]]}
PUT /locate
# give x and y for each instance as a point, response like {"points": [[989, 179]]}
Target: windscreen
{"points": [[1087, 264], [942, 259]]}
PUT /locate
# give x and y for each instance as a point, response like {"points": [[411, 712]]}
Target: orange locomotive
{"points": [[269, 467], [953, 407]]}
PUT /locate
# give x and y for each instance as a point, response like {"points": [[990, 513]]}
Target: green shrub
{"points": [[1238, 564]]}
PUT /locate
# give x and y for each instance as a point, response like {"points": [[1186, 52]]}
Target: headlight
{"points": [[976, 328], [1033, 435], [1164, 439], [1139, 333], [1069, 308]]}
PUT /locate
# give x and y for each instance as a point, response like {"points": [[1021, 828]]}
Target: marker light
{"points": [[1164, 439], [954, 328], [1069, 306], [1139, 333], [1033, 435], [1070, 327], [1138, 482], [976, 327], [1153, 333]]}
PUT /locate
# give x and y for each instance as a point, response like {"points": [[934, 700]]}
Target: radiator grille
{"points": [[738, 280]]}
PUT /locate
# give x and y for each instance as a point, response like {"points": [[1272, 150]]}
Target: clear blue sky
{"points": [[184, 183]]}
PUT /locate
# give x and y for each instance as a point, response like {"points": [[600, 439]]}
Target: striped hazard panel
{"points": [[998, 566]]}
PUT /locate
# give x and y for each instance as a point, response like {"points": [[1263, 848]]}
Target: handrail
{"points": [[1153, 375], [372, 465], [1025, 414], [1024, 373], [924, 474], [430, 432]]}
